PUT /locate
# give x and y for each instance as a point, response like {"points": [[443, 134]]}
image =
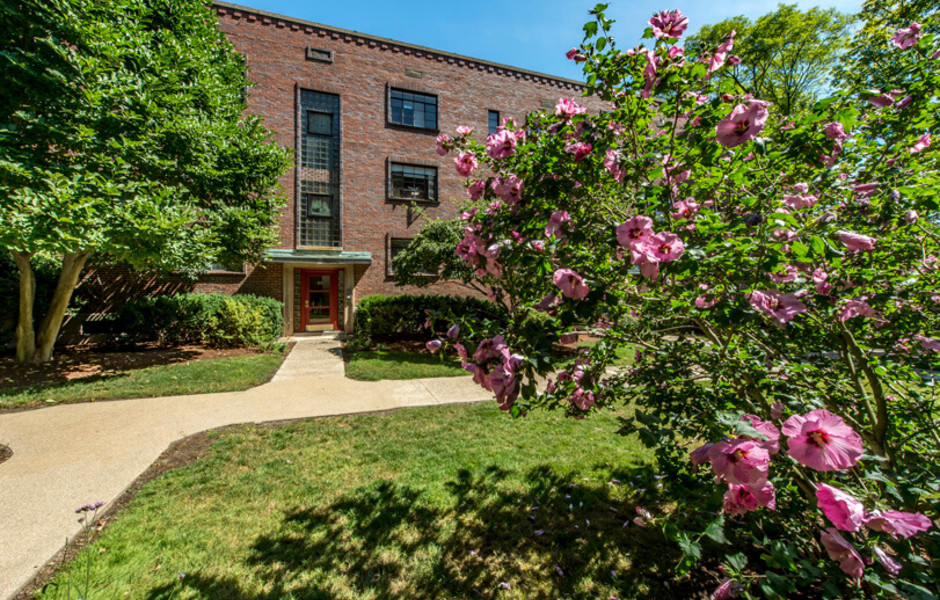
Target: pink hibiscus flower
{"points": [[662, 247], [891, 566], [508, 188], [928, 343], [579, 149], [718, 58], [612, 163], [557, 224], [921, 143], [466, 163], [768, 430], [896, 523], [634, 231], [475, 190], [740, 499], [857, 307], [843, 552], [743, 124], [740, 461], [789, 274], [797, 202], [442, 140], [488, 349], [836, 131], [669, 24], [700, 454], [856, 242], [575, 55], [880, 100], [649, 73], [729, 588], [782, 307], [685, 209], [907, 36], [501, 144], [822, 441], [464, 130], [570, 284], [845, 512], [568, 108]]}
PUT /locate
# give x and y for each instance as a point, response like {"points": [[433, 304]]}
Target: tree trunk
{"points": [[25, 334], [72, 265]]}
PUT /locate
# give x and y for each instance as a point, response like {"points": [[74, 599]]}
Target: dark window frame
{"points": [[391, 109], [310, 131], [489, 120], [391, 252], [433, 187]]}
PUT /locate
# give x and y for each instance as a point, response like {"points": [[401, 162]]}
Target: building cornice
{"points": [[238, 12]]}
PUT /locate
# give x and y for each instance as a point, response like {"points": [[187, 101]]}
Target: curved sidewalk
{"points": [[66, 456]]}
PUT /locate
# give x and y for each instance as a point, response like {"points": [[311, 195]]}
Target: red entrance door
{"points": [[318, 300]]}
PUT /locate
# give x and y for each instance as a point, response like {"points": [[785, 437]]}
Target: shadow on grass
{"points": [[543, 534], [61, 370]]}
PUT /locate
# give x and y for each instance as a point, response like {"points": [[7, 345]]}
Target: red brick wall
{"points": [[361, 72], [105, 289]]}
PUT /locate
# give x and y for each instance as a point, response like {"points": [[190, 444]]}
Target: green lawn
{"points": [[428, 503], [195, 377], [373, 365]]}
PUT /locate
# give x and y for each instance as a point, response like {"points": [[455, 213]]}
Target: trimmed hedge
{"points": [[217, 319], [386, 318]]}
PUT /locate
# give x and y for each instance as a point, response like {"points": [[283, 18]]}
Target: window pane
{"points": [[318, 205], [413, 109], [412, 182], [319, 123], [493, 120]]}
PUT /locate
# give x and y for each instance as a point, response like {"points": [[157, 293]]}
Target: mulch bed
{"points": [[78, 362]]}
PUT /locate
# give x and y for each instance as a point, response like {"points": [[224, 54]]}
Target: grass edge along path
{"points": [[375, 365], [229, 374], [458, 501]]}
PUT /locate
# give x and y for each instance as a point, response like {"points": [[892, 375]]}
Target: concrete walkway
{"points": [[69, 455]]}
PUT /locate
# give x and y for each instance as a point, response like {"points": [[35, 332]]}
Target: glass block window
{"points": [[493, 120], [412, 182], [318, 214], [412, 109]]}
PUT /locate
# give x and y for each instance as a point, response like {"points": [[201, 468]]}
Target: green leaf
{"points": [[716, 530]]}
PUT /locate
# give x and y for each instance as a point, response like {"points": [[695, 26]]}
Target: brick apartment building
{"points": [[362, 114]]}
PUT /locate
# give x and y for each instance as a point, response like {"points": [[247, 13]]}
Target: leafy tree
{"points": [[870, 61], [122, 138], [786, 56], [432, 251], [778, 278]]}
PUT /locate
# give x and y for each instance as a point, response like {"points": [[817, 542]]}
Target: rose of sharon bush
{"points": [[778, 281]]}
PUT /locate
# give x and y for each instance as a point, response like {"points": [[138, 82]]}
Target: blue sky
{"points": [[531, 34]]}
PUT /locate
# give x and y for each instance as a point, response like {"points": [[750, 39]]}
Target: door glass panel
{"points": [[320, 283], [320, 314]]}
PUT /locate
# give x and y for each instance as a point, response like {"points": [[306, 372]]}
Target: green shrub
{"points": [[384, 318], [237, 324], [218, 319], [271, 309]]}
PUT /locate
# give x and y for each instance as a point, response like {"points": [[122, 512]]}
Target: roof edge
{"points": [[375, 38]]}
